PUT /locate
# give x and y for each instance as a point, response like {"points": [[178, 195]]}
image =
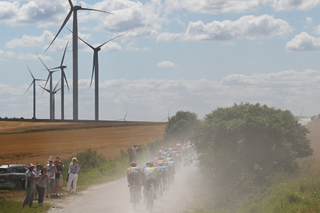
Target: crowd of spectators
{"points": [[49, 180]]}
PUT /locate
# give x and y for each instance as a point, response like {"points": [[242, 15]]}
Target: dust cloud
{"points": [[114, 197]]}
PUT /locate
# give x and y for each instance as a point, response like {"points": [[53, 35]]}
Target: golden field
{"points": [[31, 142]]}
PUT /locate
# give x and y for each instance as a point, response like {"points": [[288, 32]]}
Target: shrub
{"points": [[241, 147]]}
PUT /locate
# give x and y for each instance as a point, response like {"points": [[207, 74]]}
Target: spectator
{"points": [[42, 185], [51, 169], [37, 172], [58, 177], [135, 149], [131, 155], [30, 186], [74, 168]]}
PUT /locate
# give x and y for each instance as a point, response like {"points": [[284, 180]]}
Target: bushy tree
{"points": [[180, 126], [241, 147]]}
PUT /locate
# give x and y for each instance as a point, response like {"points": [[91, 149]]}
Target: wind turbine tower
{"points": [[49, 78], [55, 90], [34, 91], [63, 78], [74, 9], [95, 72]]}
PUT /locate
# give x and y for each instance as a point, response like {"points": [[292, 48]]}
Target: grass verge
{"points": [[298, 193], [15, 206]]}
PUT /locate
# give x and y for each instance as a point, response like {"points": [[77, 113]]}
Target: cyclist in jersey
{"points": [[134, 178], [162, 174], [150, 175], [159, 160], [161, 150]]}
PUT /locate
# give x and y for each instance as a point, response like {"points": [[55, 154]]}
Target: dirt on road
{"points": [[114, 197]]}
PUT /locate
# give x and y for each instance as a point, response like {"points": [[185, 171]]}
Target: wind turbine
{"points": [[95, 72], [52, 93], [63, 77], [124, 119], [49, 78], [168, 116], [74, 9], [34, 91]]}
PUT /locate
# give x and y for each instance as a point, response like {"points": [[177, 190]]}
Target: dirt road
{"points": [[114, 197]]}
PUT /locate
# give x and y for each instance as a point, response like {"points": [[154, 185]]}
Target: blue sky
{"points": [[175, 54]]}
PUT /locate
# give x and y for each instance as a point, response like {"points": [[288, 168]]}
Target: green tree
{"points": [[180, 126], [241, 147]]}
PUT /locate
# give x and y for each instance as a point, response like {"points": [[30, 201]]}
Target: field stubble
{"points": [[65, 139]]}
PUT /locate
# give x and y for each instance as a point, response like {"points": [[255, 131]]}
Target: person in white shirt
{"points": [[74, 169]]}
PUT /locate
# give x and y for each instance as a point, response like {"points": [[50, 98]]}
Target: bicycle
{"points": [[134, 195], [150, 198]]}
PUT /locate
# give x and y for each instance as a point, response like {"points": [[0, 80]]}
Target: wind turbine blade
{"points": [[55, 68], [70, 2], [110, 40], [43, 63], [56, 86], [64, 54], [30, 71], [93, 67], [45, 89], [57, 90], [65, 78], [125, 116], [46, 82], [29, 87], [82, 8], [83, 40], [64, 23]]}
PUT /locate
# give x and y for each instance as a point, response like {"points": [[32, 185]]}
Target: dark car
{"points": [[13, 176]]}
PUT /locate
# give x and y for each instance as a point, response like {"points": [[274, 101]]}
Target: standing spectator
{"points": [[37, 172], [131, 155], [30, 186], [152, 150], [135, 149], [51, 169], [42, 185], [74, 168], [58, 177]]}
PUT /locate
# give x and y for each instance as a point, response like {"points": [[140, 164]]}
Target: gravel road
{"points": [[114, 197]]}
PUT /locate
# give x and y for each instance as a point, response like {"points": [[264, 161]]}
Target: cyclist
{"points": [[150, 175], [172, 170], [133, 178], [162, 175], [179, 146], [159, 160], [161, 150]]}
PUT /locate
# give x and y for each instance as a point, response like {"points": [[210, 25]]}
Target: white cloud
{"points": [[30, 41], [247, 27], [303, 42], [150, 99], [287, 5], [215, 7], [166, 64], [39, 12], [129, 15], [309, 21]]}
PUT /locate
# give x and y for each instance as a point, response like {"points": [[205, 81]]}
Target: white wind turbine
{"points": [[52, 93], [34, 91], [74, 9]]}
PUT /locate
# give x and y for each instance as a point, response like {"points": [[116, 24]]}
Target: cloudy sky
{"points": [[193, 55]]}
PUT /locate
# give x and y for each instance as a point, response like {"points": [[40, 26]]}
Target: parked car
{"points": [[13, 176]]}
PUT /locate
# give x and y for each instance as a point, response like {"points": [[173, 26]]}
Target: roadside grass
{"points": [[298, 193], [16, 206]]}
